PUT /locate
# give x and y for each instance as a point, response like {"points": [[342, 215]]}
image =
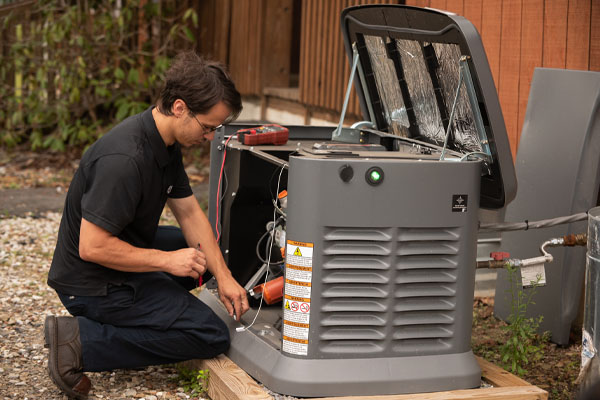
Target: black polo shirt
{"points": [[121, 185]]}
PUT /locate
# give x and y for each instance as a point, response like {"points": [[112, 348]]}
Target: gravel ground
{"points": [[26, 247]]}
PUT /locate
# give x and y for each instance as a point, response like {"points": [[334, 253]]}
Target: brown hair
{"points": [[200, 84]]}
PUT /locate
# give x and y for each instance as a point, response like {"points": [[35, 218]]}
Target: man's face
{"points": [[196, 129]]}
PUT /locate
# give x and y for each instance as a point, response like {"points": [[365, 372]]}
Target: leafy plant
{"points": [[194, 382], [523, 341], [74, 69]]}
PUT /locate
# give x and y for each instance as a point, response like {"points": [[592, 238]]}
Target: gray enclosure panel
{"points": [[558, 174], [392, 281], [341, 377], [393, 265]]}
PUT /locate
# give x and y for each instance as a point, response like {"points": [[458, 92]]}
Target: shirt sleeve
{"points": [[181, 188], [112, 192]]}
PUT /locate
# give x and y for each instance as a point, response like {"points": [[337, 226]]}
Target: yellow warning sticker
{"points": [[296, 324], [294, 298], [301, 244], [297, 292], [291, 339], [305, 269]]}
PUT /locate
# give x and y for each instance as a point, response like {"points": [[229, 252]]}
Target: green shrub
{"points": [[73, 71], [523, 341]]}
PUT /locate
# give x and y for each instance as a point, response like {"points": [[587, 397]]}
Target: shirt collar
{"points": [[161, 152]]}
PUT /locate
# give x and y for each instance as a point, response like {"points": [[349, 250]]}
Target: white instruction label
{"points": [[534, 275], [297, 292]]}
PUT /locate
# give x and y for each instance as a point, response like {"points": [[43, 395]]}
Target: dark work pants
{"points": [[150, 319]]}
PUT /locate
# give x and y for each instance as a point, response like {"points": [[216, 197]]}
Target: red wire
{"points": [[218, 199]]}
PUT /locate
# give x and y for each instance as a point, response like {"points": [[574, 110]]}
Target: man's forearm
{"points": [[100, 247], [197, 230]]}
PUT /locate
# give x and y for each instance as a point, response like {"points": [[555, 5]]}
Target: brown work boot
{"points": [[65, 363]]}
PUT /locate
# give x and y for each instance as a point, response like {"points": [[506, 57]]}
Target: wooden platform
{"points": [[229, 382]]}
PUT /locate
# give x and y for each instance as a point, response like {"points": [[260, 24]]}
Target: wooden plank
{"points": [[472, 12], [276, 43], [417, 3], [223, 18], [257, 35], [455, 6], [303, 62], [227, 381], [502, 393], [491, 25], [340, 57], [595, 37], [310, 70], [438, 4], [578, 34], [324, 25], [532, 30], [555, 34], [510, 56], [335, 42], [497, 376]]}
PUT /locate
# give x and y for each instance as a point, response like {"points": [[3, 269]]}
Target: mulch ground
{"points": [[554, 368]]}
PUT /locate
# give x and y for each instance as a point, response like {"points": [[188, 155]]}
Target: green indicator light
{"points": [[375, 176]]}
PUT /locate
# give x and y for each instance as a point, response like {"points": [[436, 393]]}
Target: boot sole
{"points": [[51, 342]]}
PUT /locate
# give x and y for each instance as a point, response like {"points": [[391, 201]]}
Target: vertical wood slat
{"points": [[314, 39], [438, 4], [321, 46], [417, 3], [578, 34], [276, 43], [455, 6], [510, 56], [595, 37], [330, 75], [304, 56], [472, 12], [555, 34], [261, 60], [532, 30], [340, 61], [491, 18], [223, 21]]}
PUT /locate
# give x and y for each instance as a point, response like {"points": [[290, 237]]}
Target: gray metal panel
{"points": [[344, 377], [417, 256], [558, 173]]}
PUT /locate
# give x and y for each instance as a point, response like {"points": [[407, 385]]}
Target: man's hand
{"points": [[187, 262], [233, 297]]}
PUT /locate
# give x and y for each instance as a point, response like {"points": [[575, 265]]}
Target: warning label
{"points": [[295, 330], [295, 273], [299, 253], [297, 290], [291, 316], [291, 347]]}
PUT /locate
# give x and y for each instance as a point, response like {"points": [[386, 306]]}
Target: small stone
{"points": [[130, 392]]}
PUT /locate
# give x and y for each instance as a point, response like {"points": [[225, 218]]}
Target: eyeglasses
{"points": [[206, 130]]}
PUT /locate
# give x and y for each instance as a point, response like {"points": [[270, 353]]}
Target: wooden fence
{"points": [[289, 43]]}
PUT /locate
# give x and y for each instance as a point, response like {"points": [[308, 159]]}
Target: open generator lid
{"points": [[419, 69]]}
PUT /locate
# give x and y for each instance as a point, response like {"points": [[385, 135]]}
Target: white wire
{"points": [[262, 294]]}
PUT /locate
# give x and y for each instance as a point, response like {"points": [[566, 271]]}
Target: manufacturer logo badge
{"points": [[459, 202]]}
